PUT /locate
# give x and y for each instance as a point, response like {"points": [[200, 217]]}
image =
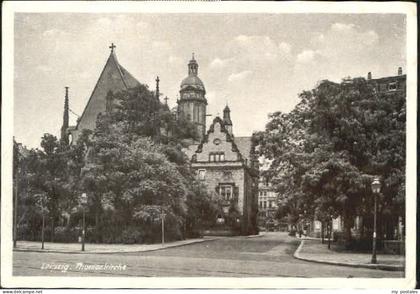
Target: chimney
{"points": [[400, 71], [369, 76], [65, 126]]}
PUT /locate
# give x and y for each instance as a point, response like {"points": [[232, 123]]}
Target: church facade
{"points": [[223, 162]]}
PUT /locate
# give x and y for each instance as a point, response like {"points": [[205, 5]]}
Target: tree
{"points": [[326, 150], [138, 169]]}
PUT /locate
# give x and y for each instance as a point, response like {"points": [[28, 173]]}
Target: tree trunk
{"points": [[347, 230], [52, 229], [329, 229], [322, 232], [97, 227]]}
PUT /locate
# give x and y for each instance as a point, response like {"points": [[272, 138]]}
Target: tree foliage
{"points": [[325, 152], [132, 169]]}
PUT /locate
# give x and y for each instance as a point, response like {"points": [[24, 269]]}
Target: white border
{"points": [[9, 8]]}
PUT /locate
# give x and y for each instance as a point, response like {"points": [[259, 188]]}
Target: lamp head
{"points": [[376, 185], [84, 198]]}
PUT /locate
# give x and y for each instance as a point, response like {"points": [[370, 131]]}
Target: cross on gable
{"points": [[166, 99], [112, 47]]}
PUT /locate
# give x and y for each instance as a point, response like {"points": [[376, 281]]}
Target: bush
{"points": [[292, 233], [66, 235], [131, 236]]}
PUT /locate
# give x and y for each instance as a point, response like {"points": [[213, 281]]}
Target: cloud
{"points": [[54, 33], [285, 47], [219, 63], [242, 38], [306, 56], [240, 76], [338, 51], [257, 48], [342, 37], [174, 59], [161, 45]]}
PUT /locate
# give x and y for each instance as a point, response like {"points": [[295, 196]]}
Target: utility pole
{"points": [[16, 208], [374, 230]]}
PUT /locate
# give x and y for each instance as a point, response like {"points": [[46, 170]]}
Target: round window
{"points": [[216, 141]]}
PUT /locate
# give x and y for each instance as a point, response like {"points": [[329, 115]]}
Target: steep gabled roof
{"points": [[244, 146], [129, 80], [113, 78]]}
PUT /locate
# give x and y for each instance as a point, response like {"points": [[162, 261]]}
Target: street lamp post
{"points": [[43, 219], [330, 227], [84, 202], [163, 227], [376, 188]]}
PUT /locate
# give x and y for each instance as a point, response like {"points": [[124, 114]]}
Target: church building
{"points": [[222, 161], [114, 78]]}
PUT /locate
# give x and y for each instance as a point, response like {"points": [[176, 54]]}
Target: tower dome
{"points": [[192, 81]]}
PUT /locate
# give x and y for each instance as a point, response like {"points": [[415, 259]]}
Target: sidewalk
{"points": [[315, 251], [102, 248]]}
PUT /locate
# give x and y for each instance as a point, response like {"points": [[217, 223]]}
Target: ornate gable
{"points": [[217, 141]]}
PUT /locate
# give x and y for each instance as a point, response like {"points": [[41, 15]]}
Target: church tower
{"points": [[192, 103]]}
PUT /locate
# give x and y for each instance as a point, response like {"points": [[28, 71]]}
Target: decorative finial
{"points": [[166, 100], [157, 87], [193, 56], [112, 47]]}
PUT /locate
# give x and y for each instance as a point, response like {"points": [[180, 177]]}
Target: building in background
{"points": [[389, 84], [267, 205]]}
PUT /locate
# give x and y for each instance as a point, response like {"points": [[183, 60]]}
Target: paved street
{"points": [[268, 256]]}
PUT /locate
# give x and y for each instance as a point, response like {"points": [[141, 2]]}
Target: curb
{"points": [[108, 252], [385, 267], [255, 236]]}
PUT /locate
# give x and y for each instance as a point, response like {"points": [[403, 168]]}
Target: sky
{"points": [[255, 63]]}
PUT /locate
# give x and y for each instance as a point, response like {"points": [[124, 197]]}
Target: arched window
{"points": [[196, 113]]}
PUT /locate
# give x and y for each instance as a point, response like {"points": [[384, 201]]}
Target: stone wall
{"points": [[216, 175]]}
